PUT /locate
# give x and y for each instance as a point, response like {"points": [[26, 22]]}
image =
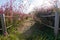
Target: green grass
{"points": [[42, 34], [38, 33]]}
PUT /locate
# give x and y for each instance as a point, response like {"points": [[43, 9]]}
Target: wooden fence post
{"points": [[56, 24], [4, 29]]}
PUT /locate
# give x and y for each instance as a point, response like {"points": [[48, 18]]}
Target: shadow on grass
{"points": [[39, 32]]}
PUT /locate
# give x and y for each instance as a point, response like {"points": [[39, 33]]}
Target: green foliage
{"points": [[10, 37], [37, 34], [42, 35]]}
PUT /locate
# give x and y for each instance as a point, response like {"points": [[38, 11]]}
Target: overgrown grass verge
{"points": [[38, 33]]}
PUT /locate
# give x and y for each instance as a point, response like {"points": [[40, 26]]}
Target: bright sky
{"points": [[2, 2], [30, 4]]}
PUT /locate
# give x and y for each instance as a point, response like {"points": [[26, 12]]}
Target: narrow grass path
{"points": [[35, 31]]}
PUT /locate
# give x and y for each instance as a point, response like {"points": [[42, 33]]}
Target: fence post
{"points": [[56, 24], [4, 29]]}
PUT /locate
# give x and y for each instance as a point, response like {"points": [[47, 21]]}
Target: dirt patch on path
{"points": [[25, 25]]}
